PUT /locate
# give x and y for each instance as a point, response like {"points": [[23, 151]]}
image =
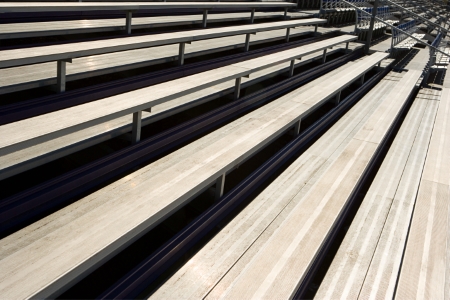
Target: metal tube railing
{"points": [[417, 16], [411, 36]]}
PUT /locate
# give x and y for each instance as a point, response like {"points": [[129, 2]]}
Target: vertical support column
{"points": [[297, 127], [220, 184], [205, 17], [237, 88], [247, 42], [285, 13], [346, 46], [252, 16], [136, 130], [291, 70], [372, 23], [181, 54], [288, 30], [315, 29], [128, 22], [61, 76], [324, 56], [361, 80], [337, 99]]}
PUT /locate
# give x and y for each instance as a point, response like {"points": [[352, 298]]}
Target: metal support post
{"points": [[337, 99], [136, 130], [61, 74], [247, 42], [181, 54], [252, 16], [297, 127], [205, 17], [285, 13], [346, 46], [315, 28], [237, 88], [220, 184], [288, 30], [372, 23], [291, 70], [324, 56], [128, 22], [361, 80]]}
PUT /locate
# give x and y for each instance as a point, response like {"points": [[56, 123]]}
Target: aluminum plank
{"points": [[233, 247], [38, 75], [33, 29], [134, 204], [34, 55], [424, 273], [25, 159], [367, 263], [22, 134], [8, 7]]}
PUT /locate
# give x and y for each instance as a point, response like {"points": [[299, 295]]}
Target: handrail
{"points": [[411, 36], [397, 36], [333, 4], [416, 15], [363, 20]]}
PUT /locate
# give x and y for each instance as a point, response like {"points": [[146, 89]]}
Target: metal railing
{"points": [[400, 30], [339, 4], [363, 20], [417, 15], [436, 42]]}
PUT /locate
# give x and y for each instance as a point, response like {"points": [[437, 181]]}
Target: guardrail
{"points": [[436, 42], [402, 32], [338, 4], [400, 29], [363, 19]]}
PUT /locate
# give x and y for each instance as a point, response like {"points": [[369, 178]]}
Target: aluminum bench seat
{"points": [[25, 159], [9, 7], [109, 56], [53, 253], [370, 257], [258, 249], [426, 262], [38, 29], [39, 75], [25, 133], [19, 57]]}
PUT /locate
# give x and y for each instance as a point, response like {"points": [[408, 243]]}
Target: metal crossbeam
{"points": [[411, 36]]}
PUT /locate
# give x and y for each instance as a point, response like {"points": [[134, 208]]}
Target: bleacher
{"points": [[370, 260], [338, 12], [291, 164], [400, 40], [39, 29], [362, 24]]}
